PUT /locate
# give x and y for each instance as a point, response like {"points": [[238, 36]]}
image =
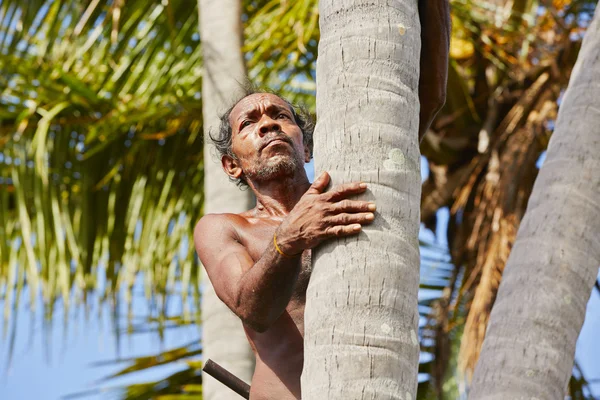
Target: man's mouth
{"points": [[274, 140]]}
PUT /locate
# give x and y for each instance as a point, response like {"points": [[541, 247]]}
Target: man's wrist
{"points": [[284, 247]]}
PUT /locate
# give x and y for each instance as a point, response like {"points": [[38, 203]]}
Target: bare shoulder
{"points": [[217, 232], [215, 226]]}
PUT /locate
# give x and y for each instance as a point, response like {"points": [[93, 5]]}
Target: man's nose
{"points": [[267, 125]]}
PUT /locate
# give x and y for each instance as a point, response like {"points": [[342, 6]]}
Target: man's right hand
{"points": [[319, 216]]}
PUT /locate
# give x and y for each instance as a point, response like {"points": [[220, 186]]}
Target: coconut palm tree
{"points": [[482, 152], [361, 317], [530, 343], [224, 73]]}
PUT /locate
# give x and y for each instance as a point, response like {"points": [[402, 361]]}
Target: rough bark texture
{"points": [[361, 314], [223, 338], [529, 349]]}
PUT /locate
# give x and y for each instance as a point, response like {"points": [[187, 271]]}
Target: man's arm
{"points": [[258, 292], [255, 292], [435, 44]]}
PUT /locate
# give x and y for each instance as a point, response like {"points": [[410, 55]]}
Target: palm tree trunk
{"points": [[361, 314], [529, 348], [223, 338]]}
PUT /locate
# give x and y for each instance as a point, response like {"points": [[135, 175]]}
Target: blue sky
{"points": [[65, 366]]}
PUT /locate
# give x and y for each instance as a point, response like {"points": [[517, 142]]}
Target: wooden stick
{"points": [[227, 378]]}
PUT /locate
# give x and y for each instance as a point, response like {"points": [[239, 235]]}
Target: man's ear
{"points": [[232, 167], [307, 156]]}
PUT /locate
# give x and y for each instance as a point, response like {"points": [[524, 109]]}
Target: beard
{"points": [[284, 163], [278, 166]]}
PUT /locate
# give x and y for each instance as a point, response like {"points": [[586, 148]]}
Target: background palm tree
{"points": [[530, 345], [501, 112], [223, 339], [100, 135]]}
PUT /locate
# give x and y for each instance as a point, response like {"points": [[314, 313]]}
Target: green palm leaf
{"points": [[84, 95]]}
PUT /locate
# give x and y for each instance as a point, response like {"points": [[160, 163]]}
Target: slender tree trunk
{"points": [[361, 315], [223, 338], [529, 348]]}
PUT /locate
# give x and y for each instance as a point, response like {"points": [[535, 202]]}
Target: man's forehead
{"points": [[255, 101]]}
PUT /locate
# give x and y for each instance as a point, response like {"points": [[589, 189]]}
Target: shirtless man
{"points": [[259, 261]]}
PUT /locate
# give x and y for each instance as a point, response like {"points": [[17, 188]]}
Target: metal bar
{"points": [[227, 378]]}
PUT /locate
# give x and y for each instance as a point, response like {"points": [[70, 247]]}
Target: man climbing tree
{"points": [[259, 261]]}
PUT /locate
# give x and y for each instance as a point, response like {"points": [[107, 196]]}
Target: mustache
{"points": [[278, 136]]}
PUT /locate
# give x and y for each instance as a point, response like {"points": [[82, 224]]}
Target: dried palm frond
{"points": [[482, 151], [494, 208]]}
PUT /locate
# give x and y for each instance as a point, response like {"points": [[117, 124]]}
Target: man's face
{"points": [[265, 139]]}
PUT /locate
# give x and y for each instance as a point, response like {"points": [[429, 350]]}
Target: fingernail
{"points": [[370, 216], [363, 185], [372, 207], [356, 227]]}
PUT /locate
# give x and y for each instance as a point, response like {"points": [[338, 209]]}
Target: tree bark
{"points": [[224, 73], [361, 315], [529, 348]]}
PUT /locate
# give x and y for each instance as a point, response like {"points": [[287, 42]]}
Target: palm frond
{"points": [[281, 39], [101, 125]]}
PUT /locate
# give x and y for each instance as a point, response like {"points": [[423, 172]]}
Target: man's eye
{"points": [[244, 124], [282, 115]]}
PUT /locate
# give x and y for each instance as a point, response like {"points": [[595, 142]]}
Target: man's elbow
{"points": [[428, 112], [441, 100], [433, 106], [432, 96], [257, 326], [254, 321], [253, 315], [437, 101]]}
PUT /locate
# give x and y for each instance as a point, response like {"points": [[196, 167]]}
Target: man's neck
{"points": [[277, 197]]}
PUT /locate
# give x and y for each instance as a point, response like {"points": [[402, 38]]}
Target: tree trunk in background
{"points": [[361, 316], [223, 338], [529, 348]]}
